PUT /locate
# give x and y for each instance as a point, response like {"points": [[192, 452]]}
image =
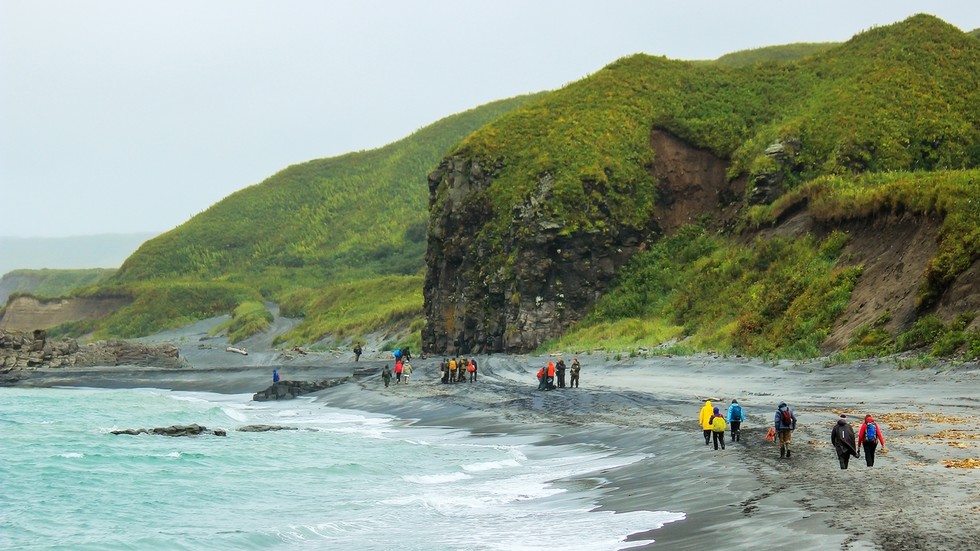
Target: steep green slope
{"points": [[355, 217], [897, 98]]}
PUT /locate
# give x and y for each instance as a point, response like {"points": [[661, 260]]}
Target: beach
{"points": [[920, 494]]}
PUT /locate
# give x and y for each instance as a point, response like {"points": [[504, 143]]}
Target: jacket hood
{"points": [[868, 419], [782, 405], [707, 403], [716, 411]]}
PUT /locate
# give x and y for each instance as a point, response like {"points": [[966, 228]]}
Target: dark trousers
{"points": [[719, 437], [574, 381], [561, 379], [707, 437], [736, 430], [869, 452], [844, 458]]}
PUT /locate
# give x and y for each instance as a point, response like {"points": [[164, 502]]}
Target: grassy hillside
{"points": [[897, 98], [359, 217]]}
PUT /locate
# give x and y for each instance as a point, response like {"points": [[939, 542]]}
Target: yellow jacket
{"points": [[705, 417]]}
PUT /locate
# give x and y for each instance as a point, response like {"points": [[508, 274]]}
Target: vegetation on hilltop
{"points": [[50, 282], [779, 54]]}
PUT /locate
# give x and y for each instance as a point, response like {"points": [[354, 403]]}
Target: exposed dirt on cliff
{"points": [[29, 313], [691, 183]]}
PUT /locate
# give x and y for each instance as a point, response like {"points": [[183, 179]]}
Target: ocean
{"points": [[344, 480]]}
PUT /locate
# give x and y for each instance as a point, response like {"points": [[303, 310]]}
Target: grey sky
{"points": [[122, 116]]}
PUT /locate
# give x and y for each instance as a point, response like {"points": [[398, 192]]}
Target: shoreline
{"points": [[744, 496]]}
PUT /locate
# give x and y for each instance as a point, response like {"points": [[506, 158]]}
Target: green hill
{"points": [[575, 167], [341, 221]]}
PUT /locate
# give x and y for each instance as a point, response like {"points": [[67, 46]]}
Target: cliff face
{"points": [[474, 302]]}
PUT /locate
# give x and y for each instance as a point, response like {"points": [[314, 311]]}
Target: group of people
{"points": [[403, 370], [845, 443], [457, 370], [714, 424], [548, 375]]}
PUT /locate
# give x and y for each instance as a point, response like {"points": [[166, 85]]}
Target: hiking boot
{"points": [[782, 452], [788, 453]]}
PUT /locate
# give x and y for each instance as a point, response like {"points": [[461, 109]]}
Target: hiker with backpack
{"points": [[735, 417], [718, 428], [784, 423], [868, 437], [704, 420], [842, 437]]}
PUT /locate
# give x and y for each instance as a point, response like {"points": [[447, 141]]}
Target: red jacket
{"points": [[551, 369], [864, 428]]}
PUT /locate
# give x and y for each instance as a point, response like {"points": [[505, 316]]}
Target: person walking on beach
{"points": [[542, 379], [574, 371], [445, 371], [398, 371], [842, 437], [560, 367], [551, 376], [785, 423], [453, 368], [718, 428], [471, 369], [357, 351], [868, 436], [735, 417], [704, 419], [406, 371], [275, 375], [386, 375]]}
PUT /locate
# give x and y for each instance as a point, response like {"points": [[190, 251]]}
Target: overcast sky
{"points": [[121, 116]]}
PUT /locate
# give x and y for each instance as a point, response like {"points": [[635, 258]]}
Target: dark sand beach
{"points": [[921, 493]]}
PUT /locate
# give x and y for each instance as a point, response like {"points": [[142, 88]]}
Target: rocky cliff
{"points": [[474, 302], [549, 277]]}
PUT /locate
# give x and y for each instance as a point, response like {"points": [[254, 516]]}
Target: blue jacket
{"points": [[778, 418], [729, 417]]}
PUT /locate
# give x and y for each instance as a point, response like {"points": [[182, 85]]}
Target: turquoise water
{"points": [[345, 480]]}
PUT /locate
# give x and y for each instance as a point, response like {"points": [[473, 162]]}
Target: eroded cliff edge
{"points": [[514, 295]]}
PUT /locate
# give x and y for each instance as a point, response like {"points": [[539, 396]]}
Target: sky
{"points": [[124, 116]]}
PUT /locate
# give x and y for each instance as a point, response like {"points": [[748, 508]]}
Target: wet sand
{"points": [[744, 497]]}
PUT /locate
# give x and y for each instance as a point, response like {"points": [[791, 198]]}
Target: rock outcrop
{"points": [[22, 350], [289, 389], [476, 302], [174, 430]]}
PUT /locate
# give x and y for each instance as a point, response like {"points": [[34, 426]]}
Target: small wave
{"points": [[72, 455], [491, 465], [436, 478], [174, 455]]}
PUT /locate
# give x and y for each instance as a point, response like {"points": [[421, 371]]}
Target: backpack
{"points": [[871, 433], [787, 418], [736, 412], [718, 424]]}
